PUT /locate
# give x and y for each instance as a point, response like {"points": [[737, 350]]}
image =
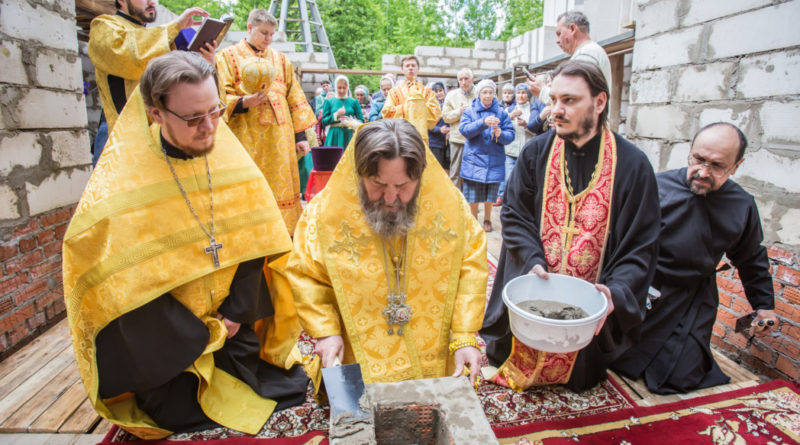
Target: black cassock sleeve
{"points": [[752, 262]]}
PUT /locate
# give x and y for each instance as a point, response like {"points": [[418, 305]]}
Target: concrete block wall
{"points": [[697, 62], [44, 160]]}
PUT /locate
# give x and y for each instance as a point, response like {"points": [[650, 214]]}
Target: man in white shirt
{"points": [[572, 36], [455, 103]]}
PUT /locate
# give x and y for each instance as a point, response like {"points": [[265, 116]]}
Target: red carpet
{"points": [[765, 414]]}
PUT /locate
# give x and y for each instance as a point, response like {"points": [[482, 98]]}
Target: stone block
{"points": [[650, 87], [70, 148], [439, 61], [789, 232], [8, 203], [652, 149], [747, 33], [494, 45], [58, 190], [27, 108], [774, 74], [58, 71], [24, 21], [11, 60], [704, 11], [771, 168], [739, 116], [422, 51], [320, 57], [779, 120], [678, 155], [21, 149], [656, 17], [494, 65], [458, 52], [704, 82], [390, 59], [284, 47], [391, 68], [660, 121], [672, 48], [480, 54], [297, 59], [315, 65], [464, 63]]}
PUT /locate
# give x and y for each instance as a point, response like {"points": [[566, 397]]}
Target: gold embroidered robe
{"points": [[119, 47], [415, 103], [132, 239], [267, 130], [337, 272]]}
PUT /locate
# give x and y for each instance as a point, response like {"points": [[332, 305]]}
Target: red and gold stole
{"points": [[574, 230]]}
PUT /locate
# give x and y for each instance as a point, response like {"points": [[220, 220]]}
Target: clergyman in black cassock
{"points": [[697, 229]]}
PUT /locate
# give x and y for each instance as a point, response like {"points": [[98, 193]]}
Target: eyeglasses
{"points": [[714, 170], [196, 120]]}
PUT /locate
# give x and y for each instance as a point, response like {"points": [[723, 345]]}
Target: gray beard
{"points": [[388, 223]]}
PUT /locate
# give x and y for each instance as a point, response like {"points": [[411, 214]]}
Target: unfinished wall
{"points": [[697, 62], [44, 160]]}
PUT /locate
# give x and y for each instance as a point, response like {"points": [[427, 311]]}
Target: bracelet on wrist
{"points": [[458, 344]]}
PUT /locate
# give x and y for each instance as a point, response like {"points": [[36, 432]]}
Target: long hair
{"points": [[594, 79], [389, 139]]}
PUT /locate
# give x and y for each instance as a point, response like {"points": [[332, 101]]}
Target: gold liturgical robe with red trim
{"points": [[415, 103], [338, 275], [267, 130], [133, 239], [574, 231]]}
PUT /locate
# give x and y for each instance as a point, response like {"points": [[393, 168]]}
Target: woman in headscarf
{"points": [[486, 128], [437, 137], [336, 109], [362, 96], [519, 113]]}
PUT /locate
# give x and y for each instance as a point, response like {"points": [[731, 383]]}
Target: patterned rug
{"points": [[503, 407], [765, 414]]}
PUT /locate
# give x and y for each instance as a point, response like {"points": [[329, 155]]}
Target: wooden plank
{"points": [[41, 378], [36, 405], [58, 334], [103, 427], [58, 413], [82, 420]]}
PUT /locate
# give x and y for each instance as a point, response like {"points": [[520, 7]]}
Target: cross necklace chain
{"points": [[213, 246], [397, 311]]}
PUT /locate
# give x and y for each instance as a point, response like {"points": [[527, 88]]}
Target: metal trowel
{"points": [[345, 387]]}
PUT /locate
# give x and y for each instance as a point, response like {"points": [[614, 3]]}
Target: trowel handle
{"points": [[336, 362]]}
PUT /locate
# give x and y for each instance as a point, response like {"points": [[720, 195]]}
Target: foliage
{"points": [[521, 16]]}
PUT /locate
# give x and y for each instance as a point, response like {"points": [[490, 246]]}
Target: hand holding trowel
{"points": [[344, 384]]}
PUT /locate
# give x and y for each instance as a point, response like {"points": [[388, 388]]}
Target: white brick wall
{"points": [[651, 148], [479, 54], [61, 189], [740, 118], [11, 60], [678, 156], [8, 203], [790, 231], [21, 150], [781, 123], [673, 48], [457, 52], [761, 30], [651, 87], [663, 121], [490, 45], [438, 62], [703, 11], [763, 165], [704, 82], [656, 17], [769, 75], [21, 20], [56, 71], [494, 65], [437, 51], [70, 148], [47, 109]]}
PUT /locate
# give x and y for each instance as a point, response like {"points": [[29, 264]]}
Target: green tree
{"points": [[521, 17], [215, 8]]}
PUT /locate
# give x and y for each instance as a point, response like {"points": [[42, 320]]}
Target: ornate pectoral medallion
{"points": [[397, 312]]}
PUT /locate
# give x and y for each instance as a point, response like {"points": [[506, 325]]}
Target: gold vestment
{"points": [[415, 103]]}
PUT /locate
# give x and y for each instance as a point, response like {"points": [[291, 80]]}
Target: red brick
{"points": [[46, 237], [730, 286], [787, 275], [3, 343], [783, 345], [780, 255], [61, 230], [48, 299], [762, 353], [777, 287], [52, 249], [15, 318], [791, 295], [791, 331], [8, 251], [30, 291], [787, 310], [739, 340], [6, 305], [59, 307], [31, 226], [13, 283], [23, 262], [740, 305], [56, 217], [726, 317], [27, 244], [788, 367], [41, 270], [724, 299], [18, 334], [49, 312], [37, 320], [735, 276], [720, 330]]}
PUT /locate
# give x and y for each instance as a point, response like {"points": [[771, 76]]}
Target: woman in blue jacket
{"points": [[487, 128]]}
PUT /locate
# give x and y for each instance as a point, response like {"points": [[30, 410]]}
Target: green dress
{"points": [[338, 134]]}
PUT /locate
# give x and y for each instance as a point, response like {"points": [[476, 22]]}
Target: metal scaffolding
{"points": [[294, 22]]}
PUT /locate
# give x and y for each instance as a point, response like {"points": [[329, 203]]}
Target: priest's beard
{"points": [[388, 223], [587, 123], [699, 188], [144, 15], [200, 150]]}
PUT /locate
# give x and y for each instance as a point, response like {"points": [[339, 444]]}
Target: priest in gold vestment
{"points": [[413, 101], [389, 268], [177, 323], [267, 110], [120, 46]]}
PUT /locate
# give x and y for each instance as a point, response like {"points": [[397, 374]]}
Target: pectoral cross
{"points": [[213, 247], [569, 230]]}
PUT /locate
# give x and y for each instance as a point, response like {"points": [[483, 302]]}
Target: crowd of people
{"points": [[190, 266]]}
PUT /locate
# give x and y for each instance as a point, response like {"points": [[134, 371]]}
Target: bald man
{"points": [[704, 215]]}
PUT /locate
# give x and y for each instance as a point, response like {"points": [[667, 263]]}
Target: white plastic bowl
{"points": [[547, 334]]}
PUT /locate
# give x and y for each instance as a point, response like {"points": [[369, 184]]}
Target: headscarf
{"points": [[336, 82], [365, 90], [524, 86], [487, 83]]}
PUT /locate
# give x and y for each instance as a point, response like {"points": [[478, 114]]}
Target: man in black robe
{"points": [[704, 215], [628, 254]]}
